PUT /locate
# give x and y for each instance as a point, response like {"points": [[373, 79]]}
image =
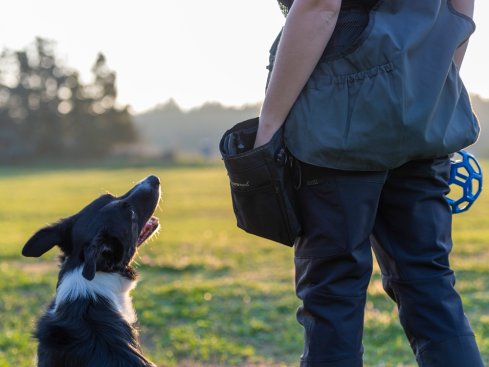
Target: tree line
{"points": [[46, 112]]}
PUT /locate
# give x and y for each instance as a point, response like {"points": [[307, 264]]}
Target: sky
{"points": [[190, 50]]}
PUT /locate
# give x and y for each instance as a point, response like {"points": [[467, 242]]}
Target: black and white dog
{"points": [[91, 321]]}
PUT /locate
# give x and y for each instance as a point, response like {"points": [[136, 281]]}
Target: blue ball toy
{"points": [[466, 173]]}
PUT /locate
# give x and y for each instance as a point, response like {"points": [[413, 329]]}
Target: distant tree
{"points": [[46, 112]]}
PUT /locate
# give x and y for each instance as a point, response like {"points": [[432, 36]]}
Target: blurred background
{"points": [[96, 95]]}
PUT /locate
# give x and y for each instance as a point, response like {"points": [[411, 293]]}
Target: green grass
{"points": [[209, 293]]}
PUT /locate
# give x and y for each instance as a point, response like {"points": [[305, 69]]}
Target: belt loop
{"points": [[296, 172]]}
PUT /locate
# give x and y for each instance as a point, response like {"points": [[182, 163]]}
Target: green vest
{"points": [[392, 96]]}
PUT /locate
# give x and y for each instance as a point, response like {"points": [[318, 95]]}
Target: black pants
{"points": [[404, 215]]}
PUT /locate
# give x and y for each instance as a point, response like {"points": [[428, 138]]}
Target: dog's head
{"points": [[103, 236]]}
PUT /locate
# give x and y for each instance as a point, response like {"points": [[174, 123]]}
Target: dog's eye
{"points": [[133, 214]]}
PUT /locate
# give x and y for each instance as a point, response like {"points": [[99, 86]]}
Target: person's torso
{"points": [[389, 92]]}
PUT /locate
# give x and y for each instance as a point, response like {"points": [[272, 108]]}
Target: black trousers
{"points": [[404, 216]]}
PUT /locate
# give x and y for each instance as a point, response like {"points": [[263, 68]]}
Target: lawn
{"points": [[209, 293]]}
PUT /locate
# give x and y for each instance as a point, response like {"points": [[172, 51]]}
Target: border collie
{"points": [[91, 321]]}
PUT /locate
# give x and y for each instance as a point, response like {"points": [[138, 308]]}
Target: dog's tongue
{"points": [[148, 229]]}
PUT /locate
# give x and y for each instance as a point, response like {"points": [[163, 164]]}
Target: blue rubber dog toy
{"points": [[463, 173]]}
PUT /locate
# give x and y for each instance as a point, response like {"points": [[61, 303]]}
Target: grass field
{"points": [[209, 293]]}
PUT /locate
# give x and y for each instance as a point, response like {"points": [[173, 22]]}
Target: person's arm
{"points": [[465, 7], [307, 30]]}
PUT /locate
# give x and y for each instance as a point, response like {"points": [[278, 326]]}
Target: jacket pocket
{"points": [[352, 116]]}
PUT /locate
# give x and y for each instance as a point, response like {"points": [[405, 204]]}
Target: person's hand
{"points": [[265, 133]]}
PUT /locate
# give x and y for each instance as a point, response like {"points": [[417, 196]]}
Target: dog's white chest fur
{"points": [[112, 286]]}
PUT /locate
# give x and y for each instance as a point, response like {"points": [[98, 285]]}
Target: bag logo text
{"points": [[235, 184]]}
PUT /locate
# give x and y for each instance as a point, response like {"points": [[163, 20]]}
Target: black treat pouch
{"points": [[262, 189]]}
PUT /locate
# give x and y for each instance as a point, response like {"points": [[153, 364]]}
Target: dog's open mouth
{"points": [[148, 229]]}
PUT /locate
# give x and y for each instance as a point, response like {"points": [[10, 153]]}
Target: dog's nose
{"points": [[153, 180]]}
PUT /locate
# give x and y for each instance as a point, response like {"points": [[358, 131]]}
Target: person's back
{"points": [[352, 21], [373, 105]]}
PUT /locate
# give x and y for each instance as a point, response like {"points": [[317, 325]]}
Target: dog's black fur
{"points": [[102, 237]]}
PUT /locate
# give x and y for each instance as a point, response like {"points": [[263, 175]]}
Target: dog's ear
{"points": [[105, 252], [48, 237]]}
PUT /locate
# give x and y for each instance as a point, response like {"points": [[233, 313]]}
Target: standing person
{"points": [[373, 105]]}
